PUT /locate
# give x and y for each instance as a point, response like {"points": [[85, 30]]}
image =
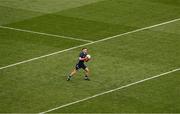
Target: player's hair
{"points": [[84, 48]]}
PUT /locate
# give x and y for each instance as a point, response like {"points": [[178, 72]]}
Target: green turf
{"points": [[110, 17], [18, 10], [17, 46], [116, 71], [10, 15], [153, 96], [46, 6], [41, 85], [73, 27], [132, 13]]}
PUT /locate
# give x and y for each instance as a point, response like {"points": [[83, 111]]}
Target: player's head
{"points": [[84, 50]]}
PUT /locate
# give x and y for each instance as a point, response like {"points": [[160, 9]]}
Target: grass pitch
{"points": [[40, 85]]}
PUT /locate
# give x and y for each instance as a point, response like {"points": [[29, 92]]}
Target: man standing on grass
{"points": [[83, 57]]}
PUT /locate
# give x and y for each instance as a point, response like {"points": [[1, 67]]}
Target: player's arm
{"points": [[82, 59]]}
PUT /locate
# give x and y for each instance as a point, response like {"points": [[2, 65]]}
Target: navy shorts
{"points": [[80, 65]]}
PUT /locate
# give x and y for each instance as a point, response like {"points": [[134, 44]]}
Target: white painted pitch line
{"points": [[110, 91], [75, 47], [45, 34]]}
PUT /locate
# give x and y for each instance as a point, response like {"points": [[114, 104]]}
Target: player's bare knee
{"points": [[75, 71], [87, 70]]}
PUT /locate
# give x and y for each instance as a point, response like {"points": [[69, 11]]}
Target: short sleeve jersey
{"points": [[82, 55]]}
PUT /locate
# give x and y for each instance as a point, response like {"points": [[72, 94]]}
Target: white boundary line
{"points": [[45, 34], [106, 92], [75, 47]]}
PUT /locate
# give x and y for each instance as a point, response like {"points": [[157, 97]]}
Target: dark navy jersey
{"points": [[82, 55]]}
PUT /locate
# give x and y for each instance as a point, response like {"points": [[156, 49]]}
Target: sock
{"points": [[69, 76], [86, 76]]}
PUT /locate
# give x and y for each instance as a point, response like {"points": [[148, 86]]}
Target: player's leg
{"points": [[73, 72], [86, 77], [86, 73]]}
